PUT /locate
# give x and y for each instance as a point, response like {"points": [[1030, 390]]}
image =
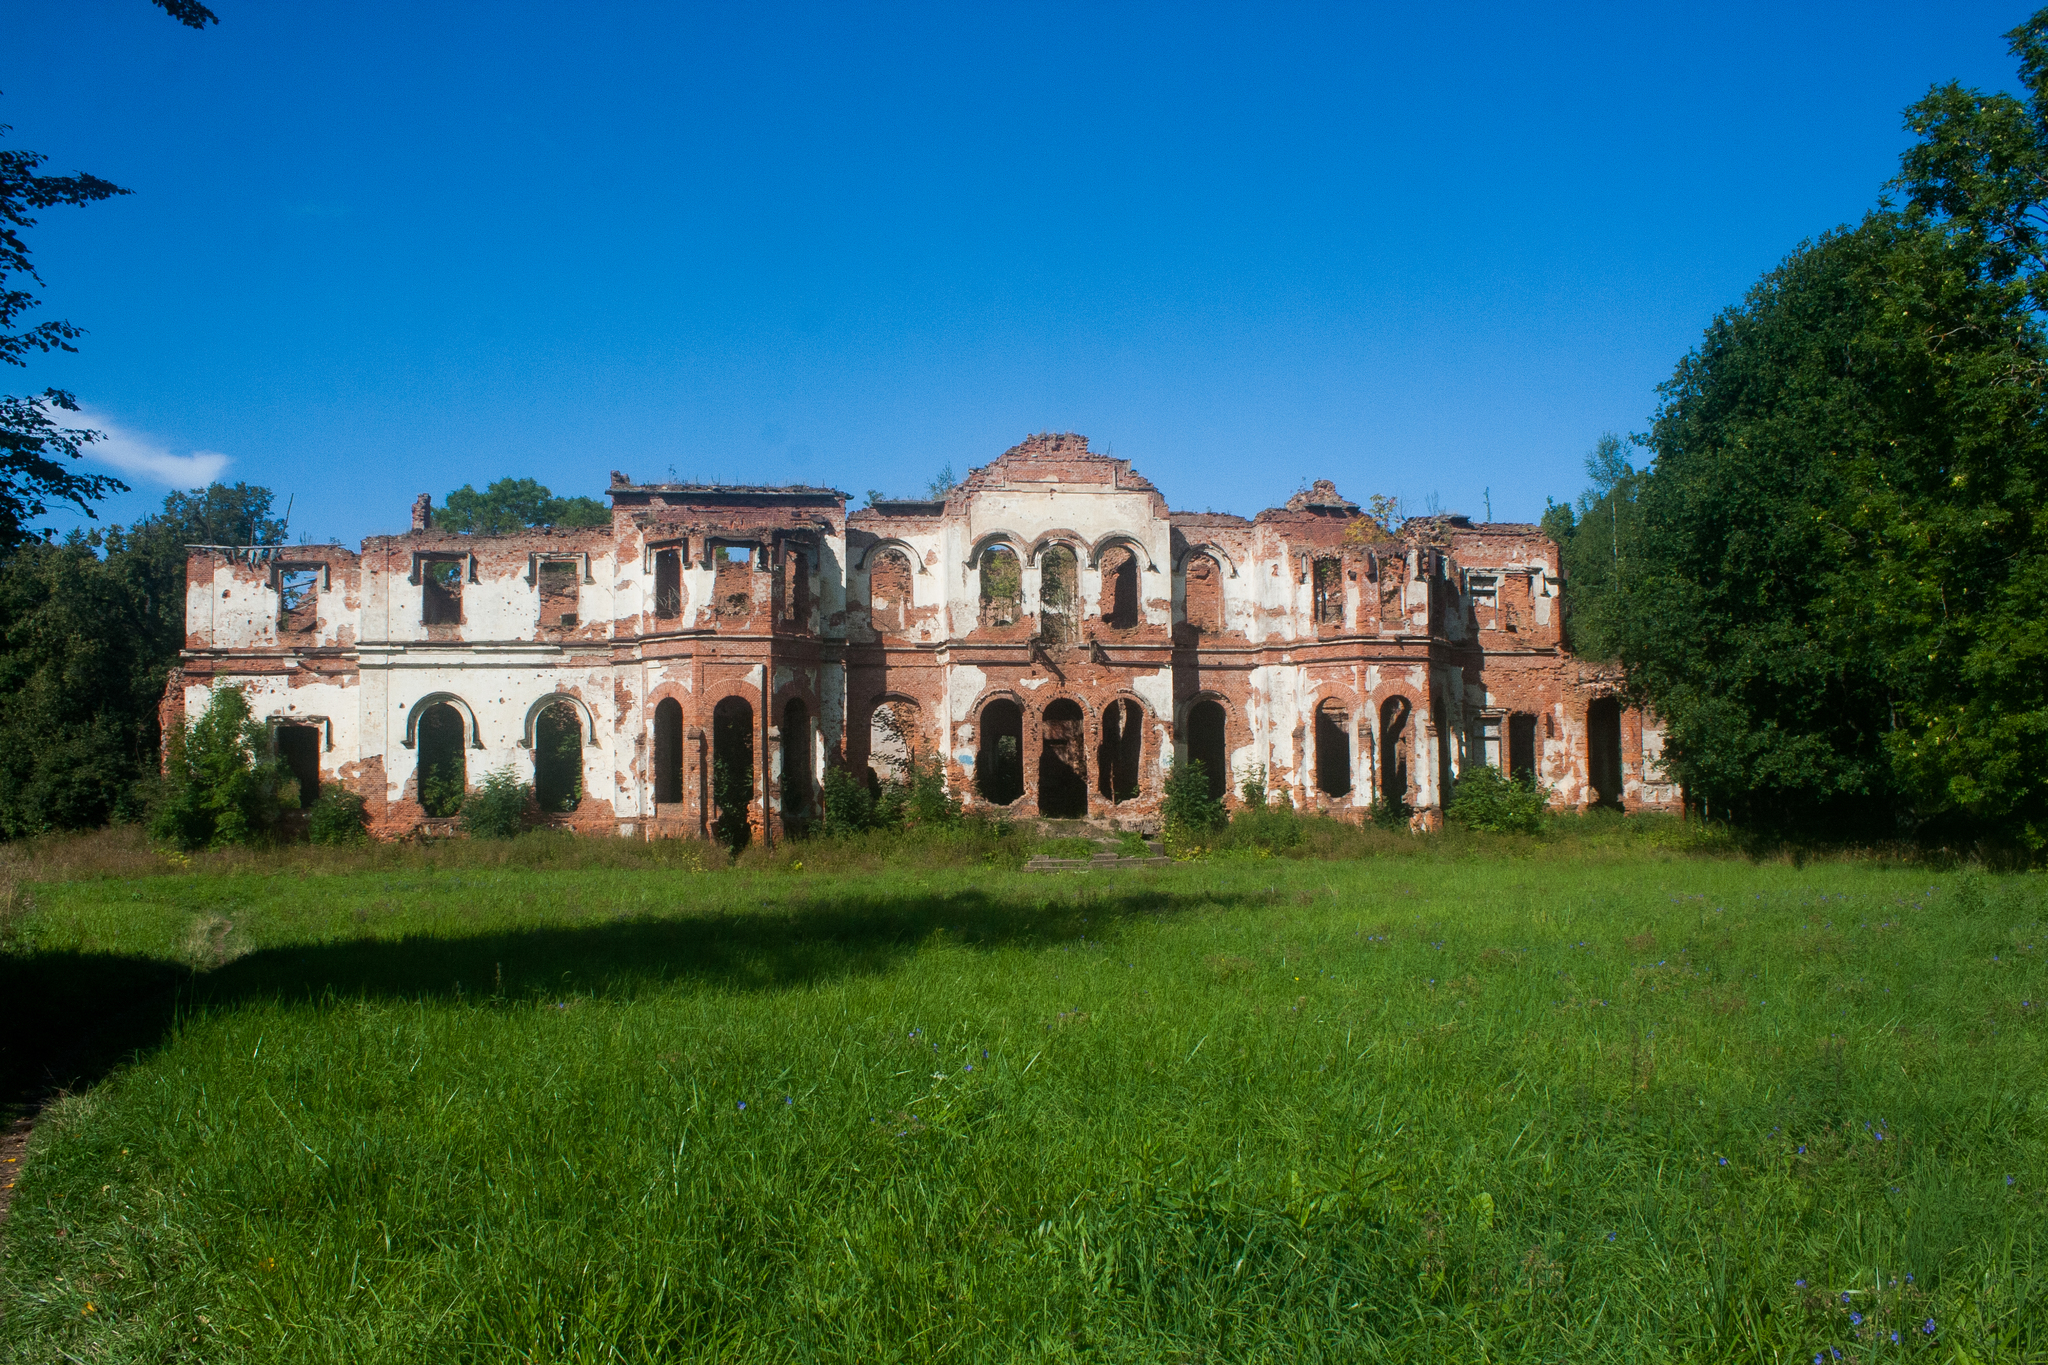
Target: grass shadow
{"points": [[69, 1017]]}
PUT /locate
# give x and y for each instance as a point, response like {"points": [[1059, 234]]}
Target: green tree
{"points": [[510, 505], [79, 681], [1595, 548], [1831, 603], [222, 783]]}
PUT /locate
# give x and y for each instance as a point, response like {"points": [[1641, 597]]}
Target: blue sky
{"points": [[376, 250]]}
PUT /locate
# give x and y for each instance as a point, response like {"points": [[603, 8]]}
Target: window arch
{"points": [[888, 591], [1202, 594]]}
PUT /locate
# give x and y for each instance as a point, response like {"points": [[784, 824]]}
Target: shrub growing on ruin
{"points": [[849, 805], [1486, 800], [1267, 820], [222, 785], [337, 818], [497, 809], [1189, 815]]}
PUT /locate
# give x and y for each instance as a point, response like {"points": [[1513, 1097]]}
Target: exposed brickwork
{"points": [[1048, 628]]}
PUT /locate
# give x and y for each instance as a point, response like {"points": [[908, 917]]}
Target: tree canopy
{"points": [[510, 505], [1828, 582]]}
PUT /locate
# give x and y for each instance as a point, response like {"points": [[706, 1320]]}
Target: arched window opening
{"points": [[1119, 604], [1207, 745], [732, 772], [892, 742], [668, 584], [299, 747], [796, 760], [1603, 750], [1522, 747], [444, 769], [1002, 587], [1063, 762], [733, 577], [889, 592], [1333, 749], [558, 758], [1058, 592], [1203, 603], [999, 766], [1394, 714], [1123, 742], [668, 752]]}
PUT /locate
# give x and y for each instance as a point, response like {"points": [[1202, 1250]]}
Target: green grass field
{"points": [[1555, 1099]]}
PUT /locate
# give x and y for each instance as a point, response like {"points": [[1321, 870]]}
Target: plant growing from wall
{"points": [[222, 785], [732, 790]]}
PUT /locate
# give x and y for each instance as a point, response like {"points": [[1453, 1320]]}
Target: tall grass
{"points": [[1486, 1100]]}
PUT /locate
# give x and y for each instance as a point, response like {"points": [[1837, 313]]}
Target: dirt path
{"points": [[13, 1153]]}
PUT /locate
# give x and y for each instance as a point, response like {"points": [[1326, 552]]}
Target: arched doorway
{"points": [[892, 742], [732, 772], [1123, 743], [1394, 716], [558, 758], [1208, 746], [444, 766], [1333, 749], [1063, 762], [668, 752], [999, 766], [1603, 750], [796, 760]]}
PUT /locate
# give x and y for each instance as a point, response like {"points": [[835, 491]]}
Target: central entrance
{"points": [[1063, 762]]}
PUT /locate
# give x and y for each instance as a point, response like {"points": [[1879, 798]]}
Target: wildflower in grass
{"points": [[1724, 1161], [1928, 1327], [1799, 1284], [786, 1099], [1855, 1319], [1845, 1298], [1895, 1338], [743, 1104]]}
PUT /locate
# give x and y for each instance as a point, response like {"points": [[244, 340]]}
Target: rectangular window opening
{"points": [[441, 592], [560, 581]]}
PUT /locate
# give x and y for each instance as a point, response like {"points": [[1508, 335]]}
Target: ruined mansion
{"points": [[1048, 631]]}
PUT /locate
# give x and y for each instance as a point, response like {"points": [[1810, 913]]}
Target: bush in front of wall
{"points": [[337, 818], [1484, 799], [497, 809], [222, 785]]}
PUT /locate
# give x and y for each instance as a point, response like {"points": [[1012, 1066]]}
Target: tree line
{"points": [[1826, 576], [1829, 579]]}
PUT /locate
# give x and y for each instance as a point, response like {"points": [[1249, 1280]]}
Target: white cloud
{"points": [[138, 455]]}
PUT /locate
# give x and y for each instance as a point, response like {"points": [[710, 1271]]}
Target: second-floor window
{"points": [[668, 584], [558, 594], [1328, 577], [298, 599], [1119, 605], [1002, 587], [441, 592]]}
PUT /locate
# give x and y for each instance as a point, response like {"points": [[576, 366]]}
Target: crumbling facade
{"points": [[1048, 632]]}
